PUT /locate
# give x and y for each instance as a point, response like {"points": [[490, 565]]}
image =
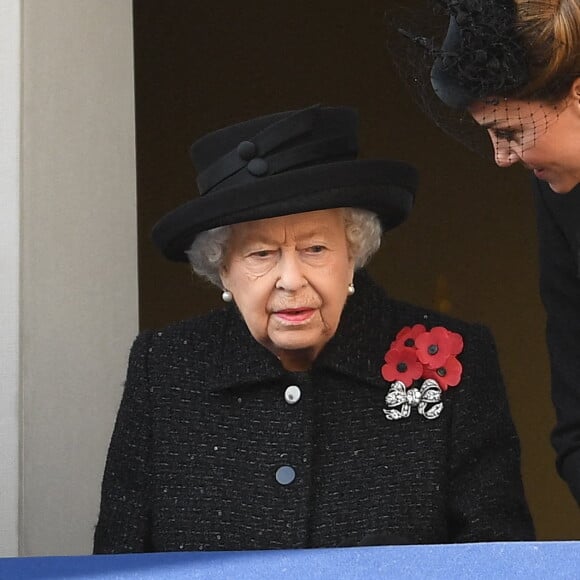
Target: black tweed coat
{"points": [[559, 240], [204, 426]]}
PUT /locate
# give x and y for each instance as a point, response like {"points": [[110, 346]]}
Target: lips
{"points": [[295, 315], [538, 173]]}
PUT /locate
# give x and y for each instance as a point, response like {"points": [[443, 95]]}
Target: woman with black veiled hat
{"points": [[313, 410], [514, 67]]}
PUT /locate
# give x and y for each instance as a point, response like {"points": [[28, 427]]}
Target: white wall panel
{"points": [[79, 259], [9, 273]]}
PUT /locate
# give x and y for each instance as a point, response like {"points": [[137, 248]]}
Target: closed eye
{"points": [[505, 134], [262, 254]]}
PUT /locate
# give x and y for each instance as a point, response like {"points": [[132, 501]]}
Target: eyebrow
{"points": [[252, 240], [497, 125], [322, 231]]}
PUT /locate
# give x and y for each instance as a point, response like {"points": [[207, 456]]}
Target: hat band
{"points": [[336, 147], [271, 137]]}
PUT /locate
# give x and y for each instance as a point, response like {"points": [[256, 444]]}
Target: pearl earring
{"points": [[227, 296], [350, 289]]}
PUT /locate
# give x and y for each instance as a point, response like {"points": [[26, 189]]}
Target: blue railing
{"points": [[529, 560]]}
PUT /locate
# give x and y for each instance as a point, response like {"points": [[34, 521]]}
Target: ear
{"points": [[573, 100], [224, 276], [351, 267], [575, 90]]}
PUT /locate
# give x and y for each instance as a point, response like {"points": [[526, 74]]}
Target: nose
{"points": [[290, 273], [504, 154]]}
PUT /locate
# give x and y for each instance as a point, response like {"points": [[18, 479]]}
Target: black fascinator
{"points": [[480, 55], [451, 53]]}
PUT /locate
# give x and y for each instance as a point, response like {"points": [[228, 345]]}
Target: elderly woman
{"points": [[313, 410]]}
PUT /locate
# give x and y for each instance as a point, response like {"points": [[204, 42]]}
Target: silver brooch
{"points": [[427, 400]]}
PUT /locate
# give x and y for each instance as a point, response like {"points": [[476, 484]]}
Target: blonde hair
{"points": [[363, 233], [550, 33]]}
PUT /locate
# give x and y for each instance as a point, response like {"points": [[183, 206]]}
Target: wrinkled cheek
{"points": [[329, 321]]}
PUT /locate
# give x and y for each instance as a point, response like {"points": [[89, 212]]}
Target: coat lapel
{"points": [[364, 335]]}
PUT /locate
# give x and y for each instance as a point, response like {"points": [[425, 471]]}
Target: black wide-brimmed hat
{"points": [[281, 164]]}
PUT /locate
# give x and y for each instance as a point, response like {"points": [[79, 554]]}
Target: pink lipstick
{"points": [[295, 315]]}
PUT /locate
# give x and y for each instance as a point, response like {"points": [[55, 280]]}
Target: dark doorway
{"points": [[469, 247]]}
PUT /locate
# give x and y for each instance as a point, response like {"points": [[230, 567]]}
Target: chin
{"points": [[295, 347], [562, 188]]}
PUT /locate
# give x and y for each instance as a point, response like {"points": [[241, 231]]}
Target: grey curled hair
{"points": [[362, 227]]}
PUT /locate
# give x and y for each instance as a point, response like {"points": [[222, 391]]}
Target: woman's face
{"points": [[289, 277], [545, 138]]}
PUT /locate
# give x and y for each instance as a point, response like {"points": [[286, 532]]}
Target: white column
{"points": [[79, 303], [9, 273]]}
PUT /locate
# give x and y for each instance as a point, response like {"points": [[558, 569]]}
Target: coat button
{"points": [[285, 475], [292, 394]]}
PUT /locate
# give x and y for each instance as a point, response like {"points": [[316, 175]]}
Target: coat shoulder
{"points": [[393, 313], [410, 314], [195, 329], [193, 337]]}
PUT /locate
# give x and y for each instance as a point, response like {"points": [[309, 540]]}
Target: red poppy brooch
{"points": [[420, 365]]}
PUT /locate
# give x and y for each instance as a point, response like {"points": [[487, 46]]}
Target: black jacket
{"points": [[559, 242], [204, 427]]}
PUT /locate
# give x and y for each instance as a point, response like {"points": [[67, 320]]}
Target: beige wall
{"points": [[78, 261], [9, 272]]}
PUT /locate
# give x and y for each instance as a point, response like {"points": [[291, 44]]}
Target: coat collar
{"points": [[364, 334]]}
